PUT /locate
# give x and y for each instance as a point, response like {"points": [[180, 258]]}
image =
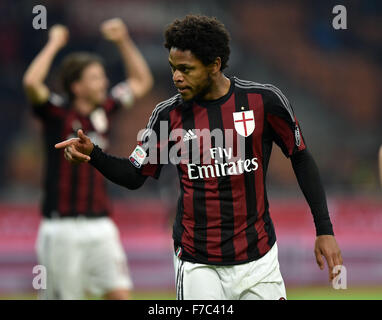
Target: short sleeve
{"points": [[121, 95], [152, 148], [284, 125], [53, 108]]}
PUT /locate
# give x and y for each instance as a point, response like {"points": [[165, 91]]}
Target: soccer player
{"points": [[224, 239], [77, 241], [380, 164]]}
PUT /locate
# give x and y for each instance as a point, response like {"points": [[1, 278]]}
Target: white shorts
{"points": [[256, 280], [81, 256]]}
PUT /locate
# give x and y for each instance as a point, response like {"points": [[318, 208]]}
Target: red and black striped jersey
{"points": [[222, 150], [73, 189]]}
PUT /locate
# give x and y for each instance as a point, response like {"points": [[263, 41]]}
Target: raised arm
{"points": [[33, 81], [138, 73], [380, 164]]}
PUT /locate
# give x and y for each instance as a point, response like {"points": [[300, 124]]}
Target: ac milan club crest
{"points": [[244, 122]]}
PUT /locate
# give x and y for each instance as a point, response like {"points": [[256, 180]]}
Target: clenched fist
{"points": [[114, 30], [58, 35]]}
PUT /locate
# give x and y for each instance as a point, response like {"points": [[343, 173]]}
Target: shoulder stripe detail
{"points": [[243, 84], [154, 115]]}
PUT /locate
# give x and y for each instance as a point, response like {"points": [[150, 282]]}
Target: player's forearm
{"points": [[137, 71], [40, 66], [310, 183], [117, 170]]}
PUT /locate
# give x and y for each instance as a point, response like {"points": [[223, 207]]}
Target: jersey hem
{"points": [[191, 259]]}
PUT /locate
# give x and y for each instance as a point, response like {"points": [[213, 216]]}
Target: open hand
{"points": [[326, 245], [77, 150]]}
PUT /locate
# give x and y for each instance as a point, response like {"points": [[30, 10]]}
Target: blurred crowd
{"points": [[331, 77]]}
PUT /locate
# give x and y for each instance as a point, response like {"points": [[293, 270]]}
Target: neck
{"points": [[83, 107], [219, 87]]}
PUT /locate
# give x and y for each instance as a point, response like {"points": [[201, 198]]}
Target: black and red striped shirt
{"points": [[72, 190], [223, 213]]}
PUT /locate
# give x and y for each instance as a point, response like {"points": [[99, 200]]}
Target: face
{"points": [[190, 75], [93, 84]]}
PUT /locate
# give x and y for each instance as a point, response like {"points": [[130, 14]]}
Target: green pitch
{"points": [[300, 293], [328, 293]]}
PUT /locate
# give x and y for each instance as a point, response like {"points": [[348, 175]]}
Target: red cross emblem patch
{"points": [[244, 122]]}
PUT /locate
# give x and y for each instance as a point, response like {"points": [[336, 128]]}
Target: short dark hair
{"points": [[72, 67], [206, 37]]}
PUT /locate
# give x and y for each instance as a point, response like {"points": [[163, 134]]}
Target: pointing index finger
{"points": [[66, 143]]}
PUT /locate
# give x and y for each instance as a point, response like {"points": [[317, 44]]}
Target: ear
{"points": [[216, 65]]}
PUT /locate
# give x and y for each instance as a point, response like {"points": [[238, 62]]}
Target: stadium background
{"points": [[332, 78]]}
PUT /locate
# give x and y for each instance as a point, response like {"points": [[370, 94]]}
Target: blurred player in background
{"points": [[380, 164], [224, 239], [77, 242]]}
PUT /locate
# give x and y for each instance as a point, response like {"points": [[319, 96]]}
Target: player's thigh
{"points": [[268, 284], [196, 281], [43, 244], [266, 291], [106, 262], [44, 253], [59, 252]]}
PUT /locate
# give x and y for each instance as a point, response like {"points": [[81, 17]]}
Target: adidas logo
{"points": [[189, 135]]}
